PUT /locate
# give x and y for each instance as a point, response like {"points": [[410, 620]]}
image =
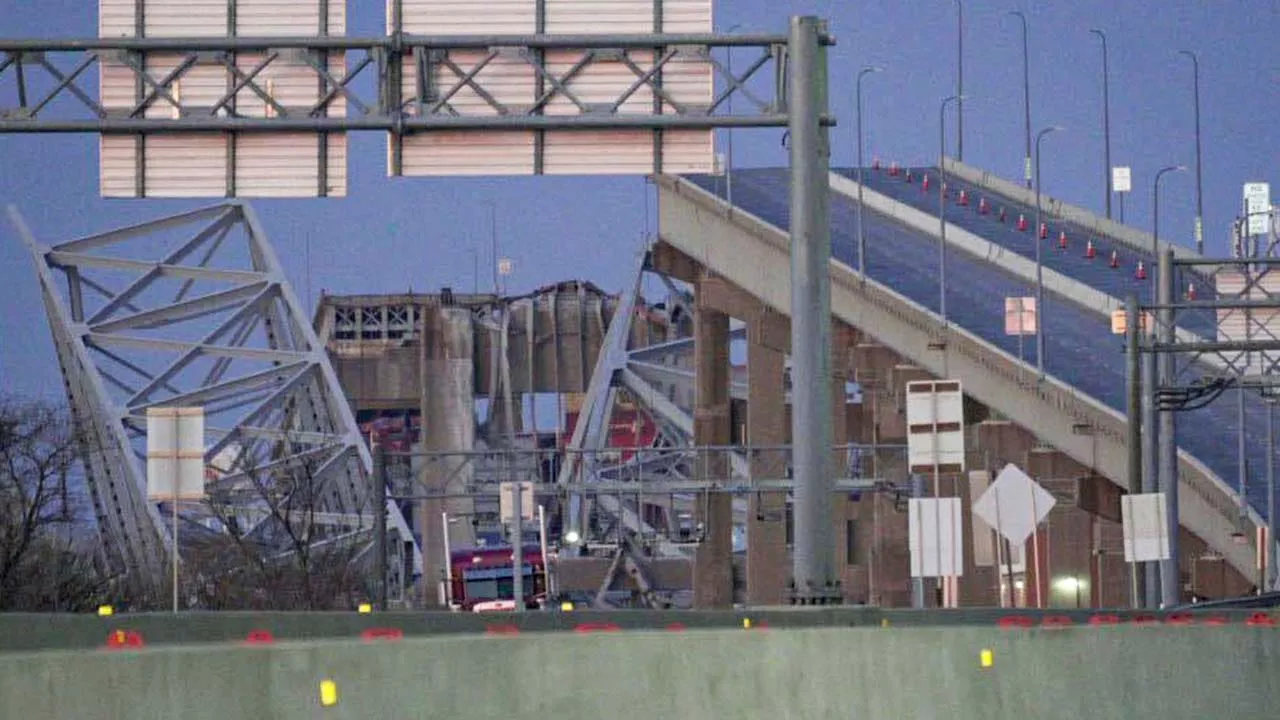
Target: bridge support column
{"points": [[448, 426], [713, 563], [767, 562]]}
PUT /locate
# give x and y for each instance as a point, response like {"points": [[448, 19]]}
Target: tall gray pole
{"points": [[1271, 575], [1026, 96], [1106, 119], [960, 80], [1134, 408], [517, 546], [1152, 437], [1170, 576], [728, 174], [942, 208], [917, 583], [1195, 64], [813, 556], [1039, 264], [380, 524], [862, 237]]}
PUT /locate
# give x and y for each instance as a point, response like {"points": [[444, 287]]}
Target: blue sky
{"points": [[394, 235]]}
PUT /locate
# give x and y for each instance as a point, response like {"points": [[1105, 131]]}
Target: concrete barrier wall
{"points": [[1159, 672]]}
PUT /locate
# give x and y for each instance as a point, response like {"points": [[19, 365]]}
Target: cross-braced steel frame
{"points": [[799, 104], [194, 309], [1201, 347]]}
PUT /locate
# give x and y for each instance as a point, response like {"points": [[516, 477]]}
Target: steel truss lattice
{"points": [[194, 310]]}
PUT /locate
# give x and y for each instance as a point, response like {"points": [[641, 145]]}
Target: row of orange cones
{"points": [[984, 208]]}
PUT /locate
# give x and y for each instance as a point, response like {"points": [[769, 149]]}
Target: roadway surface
{"points": [[1079, 346]]}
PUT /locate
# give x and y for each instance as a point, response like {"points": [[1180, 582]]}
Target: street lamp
{"points": [[1195, 65], [1026, 97], [942, 206], [1039, 265], [960, 80], [1155, 221], [862, 238], [1106, 120]]}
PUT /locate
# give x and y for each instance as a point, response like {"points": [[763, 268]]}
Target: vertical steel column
{"points": [[917, 583], [379, 478], [1170, 576], [813, 562], [1134, 409], [1150, 435], [517, 539], [1271, 497]]}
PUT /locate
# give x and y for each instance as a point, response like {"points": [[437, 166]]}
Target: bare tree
{"points": [[278, 550], [44, 563]]}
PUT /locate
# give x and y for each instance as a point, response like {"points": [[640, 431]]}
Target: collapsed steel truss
{"points": [[194, 309]]}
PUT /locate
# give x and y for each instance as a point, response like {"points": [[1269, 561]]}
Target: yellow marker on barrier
{"points": [[566, 606], [364, 608], [746, 623], [986, 658], [328, 693], [106, 611], [884, 622]]}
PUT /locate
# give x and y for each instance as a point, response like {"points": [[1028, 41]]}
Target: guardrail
{"points": [[26, 633]]}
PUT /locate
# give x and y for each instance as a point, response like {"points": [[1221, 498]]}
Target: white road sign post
{"points": [[935, 444], [515, 505], [175, 463], [935, 538], [1020, 319], [1146, 532], [1122, 183], [1257, 208], [1015, 505]]}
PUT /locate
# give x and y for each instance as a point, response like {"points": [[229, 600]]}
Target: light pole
{"points": [[942, 206], [1163, 448], [1039, 265], [1026, 97], [1106, 120], [960, 80], [862, 238], [1195, 65], [728, 170]]}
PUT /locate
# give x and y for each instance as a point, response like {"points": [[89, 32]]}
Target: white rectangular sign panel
{"points": [[1020, 316], [304, 164], [580, 82], [175, 453], [1257, 208], [935, 426], [1014, 504], [936, 537], [507, 501], [1121, 179], [1146, 527]]}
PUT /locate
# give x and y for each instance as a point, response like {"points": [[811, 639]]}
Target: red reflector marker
{"points": [[595, 627], [501, 629], [259, 637], [1260, 619], [1144, 620], [1055, 621], [676, 627], [1104, 620], [1015, 621], [121, 639], [382, 634], [1180, 619]]}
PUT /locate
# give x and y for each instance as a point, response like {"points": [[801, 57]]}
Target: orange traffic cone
{"points": [[983, 207], [1191, 291], [1089, 250], [1141, 274], [1044, 231], [908, 176], [875, 163], [1022, 222], [924, 183], [1062, 239], [1115, 259], [893, 168], [964, 197]]}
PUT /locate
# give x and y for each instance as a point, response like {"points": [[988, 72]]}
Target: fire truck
{"points": [[480, 580]]}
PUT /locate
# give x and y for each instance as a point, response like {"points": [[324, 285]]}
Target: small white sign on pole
{"points": [[175, 453], [936, 537], [507, 500], [1014, 504], [935, 426], [1146, 527], [1121, 179], [1020, 316], [1257, 207]]}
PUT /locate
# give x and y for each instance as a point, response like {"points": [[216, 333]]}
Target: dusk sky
{"points": [[392, 235]]}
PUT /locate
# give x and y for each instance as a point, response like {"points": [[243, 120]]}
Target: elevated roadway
{"points": [[1077, 408]]}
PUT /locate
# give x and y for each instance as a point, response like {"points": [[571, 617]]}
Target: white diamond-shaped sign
{"points": [[1014, 504]]}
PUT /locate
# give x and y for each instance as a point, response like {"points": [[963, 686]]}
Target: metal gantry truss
{"points": [[194, 310], [1214, 325]]}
